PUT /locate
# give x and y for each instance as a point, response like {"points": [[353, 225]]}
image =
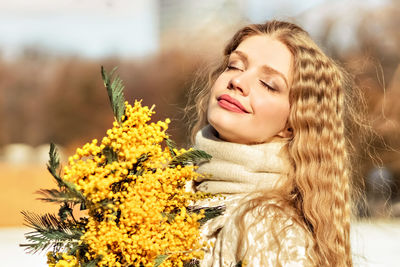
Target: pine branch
{"points": [[115, 90], [49, 232], [190, 157]]}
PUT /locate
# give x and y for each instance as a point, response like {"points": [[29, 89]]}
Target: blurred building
{"points": [[198, 24]]}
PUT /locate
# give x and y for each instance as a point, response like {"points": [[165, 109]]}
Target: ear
{"points": [[287, 132]]}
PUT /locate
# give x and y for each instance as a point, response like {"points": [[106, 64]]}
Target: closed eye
{"points": [[266, 85], [230, 67]]}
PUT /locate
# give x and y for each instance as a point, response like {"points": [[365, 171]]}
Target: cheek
{"points": [[213, 89], [214, 92], [273, 111], [211, 106], [220, 83]]}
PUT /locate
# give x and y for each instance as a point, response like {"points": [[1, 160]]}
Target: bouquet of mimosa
{"points": [[131, 188]]}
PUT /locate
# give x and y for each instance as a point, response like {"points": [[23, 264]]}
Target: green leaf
{"points": [[115, 90], [92, 263], [209, 212], [170, 216], [171, 146], [67, 191], [54, 163], [137, 168], [64, 212], [119, 186], [54, 160], [190, 157], [159, 259], [73, 191], [57, 196], [110, 154]]}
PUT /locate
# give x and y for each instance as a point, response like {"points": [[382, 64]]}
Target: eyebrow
{"points": [[264, 68]]}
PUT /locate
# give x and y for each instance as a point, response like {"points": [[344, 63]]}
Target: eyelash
{"points": [[268, 86], [230, 67]]}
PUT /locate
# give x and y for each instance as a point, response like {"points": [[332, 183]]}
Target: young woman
{"points": [[274, 116]]}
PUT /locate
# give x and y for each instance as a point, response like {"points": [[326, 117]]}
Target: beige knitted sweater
{"points": [[237, 178]]}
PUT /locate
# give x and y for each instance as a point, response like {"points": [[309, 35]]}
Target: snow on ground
{"points": [[376, 244]]}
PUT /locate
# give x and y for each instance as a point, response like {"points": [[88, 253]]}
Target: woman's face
{"points": [[249, 101]]}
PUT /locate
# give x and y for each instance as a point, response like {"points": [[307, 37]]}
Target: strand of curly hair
{"points": [[318, 149], [323, 115]]}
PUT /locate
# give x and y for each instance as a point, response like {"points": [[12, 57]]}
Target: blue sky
{"points": [[92, 28], [99, 28]]}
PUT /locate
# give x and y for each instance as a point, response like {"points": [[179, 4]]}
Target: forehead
{"points": [[266, 50]]}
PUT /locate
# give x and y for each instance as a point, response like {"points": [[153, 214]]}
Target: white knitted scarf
{"points": [[237, 168]]}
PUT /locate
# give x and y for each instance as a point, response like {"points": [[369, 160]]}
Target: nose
{"points": [[239, 82]]}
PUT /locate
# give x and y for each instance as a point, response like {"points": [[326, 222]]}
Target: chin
{"points": [[227, 127], [228, 134]]}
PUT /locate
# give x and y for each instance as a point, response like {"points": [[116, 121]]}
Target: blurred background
{"points": [[51, 89]]}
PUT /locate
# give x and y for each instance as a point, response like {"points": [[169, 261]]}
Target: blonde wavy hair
{"points": [[324, 111]]}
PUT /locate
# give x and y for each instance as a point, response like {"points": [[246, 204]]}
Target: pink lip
{"points": [[227, 102]]}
